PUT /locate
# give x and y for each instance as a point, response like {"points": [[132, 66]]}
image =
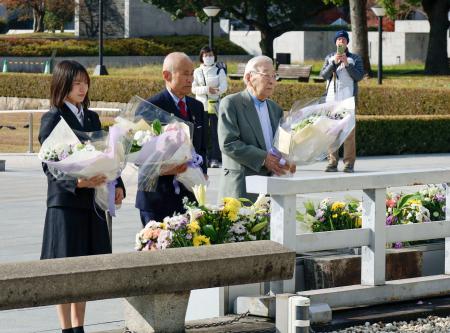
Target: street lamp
{"points": [[380, 12], [211, 12], [100, 69]]}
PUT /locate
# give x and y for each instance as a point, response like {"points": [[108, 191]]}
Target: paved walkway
{"points": [[22, 210]]}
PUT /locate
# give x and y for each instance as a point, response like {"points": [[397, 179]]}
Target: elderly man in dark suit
{"points": [[177, 73]]}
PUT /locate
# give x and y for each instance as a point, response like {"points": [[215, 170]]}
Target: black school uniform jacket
{"points": [[64, 193]]}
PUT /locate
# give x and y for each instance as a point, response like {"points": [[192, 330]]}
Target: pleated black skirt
{"points": [[73, 232]]}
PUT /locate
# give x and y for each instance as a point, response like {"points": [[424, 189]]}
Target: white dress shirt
{"points": [[78, 112]]}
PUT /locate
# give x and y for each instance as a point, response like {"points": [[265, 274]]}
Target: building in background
{"points": [[133, 18]]}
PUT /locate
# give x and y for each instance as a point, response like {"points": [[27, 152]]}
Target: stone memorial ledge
{"points": [[156, 285]]}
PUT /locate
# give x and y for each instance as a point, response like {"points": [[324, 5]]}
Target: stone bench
{"points": [[300, 73], [2, 165], [156, 285]]}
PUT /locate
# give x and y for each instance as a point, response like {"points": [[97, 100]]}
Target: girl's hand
{"points": [[119, 196], [91, 182]]}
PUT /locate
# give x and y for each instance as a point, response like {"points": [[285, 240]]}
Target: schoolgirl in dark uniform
{"points": [[74, 226]]}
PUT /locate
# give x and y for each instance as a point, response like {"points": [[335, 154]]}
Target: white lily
{"points": [[200, 194]]}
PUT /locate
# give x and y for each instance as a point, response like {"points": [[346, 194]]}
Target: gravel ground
{"points": [[431, 324]]}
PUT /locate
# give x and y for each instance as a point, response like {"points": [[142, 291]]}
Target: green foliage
{"points": [[395, 135], [3, 26], [52, 22], [152, 46], [379, 101]]}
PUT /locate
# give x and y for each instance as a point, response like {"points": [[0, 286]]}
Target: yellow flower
{"points": [[337, 205], [201, 240], [415, 201], [231, 202], [193, 227], [334, 216], [359, 222], [231, 208]]}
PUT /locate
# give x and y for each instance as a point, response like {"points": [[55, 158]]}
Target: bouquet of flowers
{"points": [[421, 206], [161, 142], [202, 224], [310, 131], [329, 216], [72, 154]]}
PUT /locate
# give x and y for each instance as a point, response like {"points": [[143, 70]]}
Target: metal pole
{"points": [[100, 69], [30, 133], [211, 32], [100, 32], [380, 49]]}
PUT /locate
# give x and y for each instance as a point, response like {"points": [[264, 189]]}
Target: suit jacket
{"points": [[164, 201], [241, 141], [64, 193]]}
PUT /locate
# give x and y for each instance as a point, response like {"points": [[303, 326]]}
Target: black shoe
{"points": [[348, 168], [79, 329], [331, 168]]}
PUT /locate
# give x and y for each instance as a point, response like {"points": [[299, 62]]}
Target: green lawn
{"points": [[40, 35]]}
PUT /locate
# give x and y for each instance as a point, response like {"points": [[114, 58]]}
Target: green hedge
{"points": [[151, 46], [372, 100], [395, 135]]}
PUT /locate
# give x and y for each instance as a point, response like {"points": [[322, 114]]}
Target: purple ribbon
{"points": [[273, 151], [111, 197], [195, 162]]}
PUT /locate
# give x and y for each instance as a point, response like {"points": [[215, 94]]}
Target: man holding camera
{"points": [[342, 69]]}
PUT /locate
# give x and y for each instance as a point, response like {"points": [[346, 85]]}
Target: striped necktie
{"points": [[80, 116]]}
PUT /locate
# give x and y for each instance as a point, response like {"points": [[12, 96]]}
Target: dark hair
{"points": [[64, 74], [207, 49]]}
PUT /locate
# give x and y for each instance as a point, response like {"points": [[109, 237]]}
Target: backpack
{"points": [[221, 65]]}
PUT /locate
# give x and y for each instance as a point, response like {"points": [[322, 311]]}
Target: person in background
{"points": [[74, 226], [342, 70], [210, 82]]}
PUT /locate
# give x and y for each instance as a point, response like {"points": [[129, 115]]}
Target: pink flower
{"points": [[391, 203]]}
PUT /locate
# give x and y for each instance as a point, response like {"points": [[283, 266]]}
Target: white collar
{"points": [[74, 108], [175, 98]]}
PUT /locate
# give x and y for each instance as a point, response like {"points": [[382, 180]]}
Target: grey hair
{"points": [[253, 63], [172, 58]]}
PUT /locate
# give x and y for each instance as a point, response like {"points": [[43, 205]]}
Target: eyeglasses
{"points": [[267, 76]]}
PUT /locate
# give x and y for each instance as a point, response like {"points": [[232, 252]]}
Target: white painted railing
{"points": [[373, 235]]}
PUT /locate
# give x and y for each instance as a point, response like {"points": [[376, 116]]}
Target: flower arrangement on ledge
{"points": [[235, 220], [420, 207]]}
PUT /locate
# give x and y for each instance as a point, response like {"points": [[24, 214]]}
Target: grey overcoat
{"points": [[241, 141]]}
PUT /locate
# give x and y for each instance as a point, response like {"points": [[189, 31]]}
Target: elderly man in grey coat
{"points": [[247, 124]]}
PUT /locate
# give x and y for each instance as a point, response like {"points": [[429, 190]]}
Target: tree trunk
{"points": [[360, 42], [38, 21], [266, 43], [437, 58]]}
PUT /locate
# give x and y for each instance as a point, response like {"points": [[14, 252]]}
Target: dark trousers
{"points": [[147, 216], [213, 150]]}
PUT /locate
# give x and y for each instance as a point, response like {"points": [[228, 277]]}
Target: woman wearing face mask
{"points": [[210, 82]]}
